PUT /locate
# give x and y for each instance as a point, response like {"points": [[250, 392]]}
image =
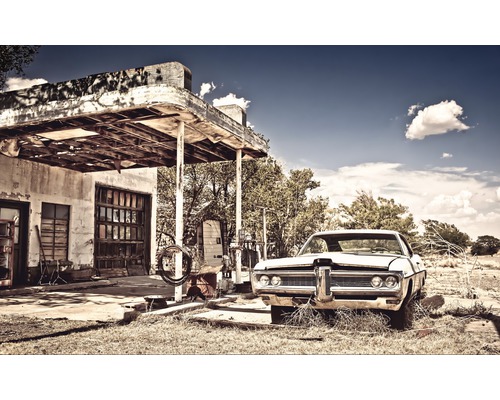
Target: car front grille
{"points": [[345, 281], [299, 281], [336, 281]]}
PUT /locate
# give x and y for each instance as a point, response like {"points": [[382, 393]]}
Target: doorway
{"points": [[18, 212]]}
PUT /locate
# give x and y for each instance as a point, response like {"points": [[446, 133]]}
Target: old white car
{"points": [[354, 269]]}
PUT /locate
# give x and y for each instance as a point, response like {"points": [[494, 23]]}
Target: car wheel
{"points": [[404, 317], [279, 314]]}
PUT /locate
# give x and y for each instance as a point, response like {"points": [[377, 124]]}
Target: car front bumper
{"points": [[326, 289]]}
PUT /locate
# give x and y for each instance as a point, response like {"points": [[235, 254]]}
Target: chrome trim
{"points": [[318, 283]]}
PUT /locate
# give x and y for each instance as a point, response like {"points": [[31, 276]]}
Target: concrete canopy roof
{"points": [[120, 120]]}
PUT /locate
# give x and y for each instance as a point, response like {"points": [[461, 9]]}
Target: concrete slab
{"points": [[244, 311], [97, 301], [114, 299]]}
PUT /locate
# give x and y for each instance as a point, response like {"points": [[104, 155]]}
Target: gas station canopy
{"points": [[120, 120]]}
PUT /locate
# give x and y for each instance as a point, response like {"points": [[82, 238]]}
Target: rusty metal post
{"points": [[179, 207], [238, 217]]}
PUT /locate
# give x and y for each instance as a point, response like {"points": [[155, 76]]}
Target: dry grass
{"points": [[350, 334], [436, 332]]}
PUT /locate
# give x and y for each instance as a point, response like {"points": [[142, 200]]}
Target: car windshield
{"points": [[352, 243]]}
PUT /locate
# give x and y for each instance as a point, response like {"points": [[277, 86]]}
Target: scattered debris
{"points": [[432, 302]]}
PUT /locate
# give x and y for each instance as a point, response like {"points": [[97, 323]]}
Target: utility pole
{"points": [[264, 233], [264, 230]]}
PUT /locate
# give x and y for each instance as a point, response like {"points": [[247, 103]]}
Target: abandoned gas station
{"points": [[78, 162]]}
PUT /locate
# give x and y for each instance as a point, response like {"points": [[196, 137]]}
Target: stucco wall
{"points": [[37, 183]]}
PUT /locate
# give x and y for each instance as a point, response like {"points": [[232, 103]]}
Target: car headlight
{"points": [[275, 281], [264, 280], [391, 282], [376, 281]]}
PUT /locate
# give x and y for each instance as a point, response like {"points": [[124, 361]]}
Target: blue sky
{"points": [[417, 123]]}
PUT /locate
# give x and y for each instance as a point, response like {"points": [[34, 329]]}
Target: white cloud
{"points": [[451, 169], [231, 99], [412, 110], [22, 83], [455, 197], [206, 88], [436, 120], [449, 205], [446, 155]]}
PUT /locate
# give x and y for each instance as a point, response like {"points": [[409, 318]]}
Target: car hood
{"points": [[361, 260]]}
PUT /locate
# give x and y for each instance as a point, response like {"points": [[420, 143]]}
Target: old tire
{"points": [[279, 314], [166, 265], [404, 317]]}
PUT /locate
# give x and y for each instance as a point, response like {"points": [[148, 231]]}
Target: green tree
{"points": [[366, 212], [485, 245], [294, 215], [14, 59], [210, 193], [442, 236]]}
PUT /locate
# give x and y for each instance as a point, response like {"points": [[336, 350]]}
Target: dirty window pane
{"points": [[109, 214], [9, 213], [102, 231], [109, 196], [48, 210], [62, 212]]}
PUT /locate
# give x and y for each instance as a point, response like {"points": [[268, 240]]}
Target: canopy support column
{"points": [[239, 239], [179, 207]]}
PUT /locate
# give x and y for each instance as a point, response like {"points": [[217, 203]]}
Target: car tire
{"points": [[279, 314], [403, 318]]}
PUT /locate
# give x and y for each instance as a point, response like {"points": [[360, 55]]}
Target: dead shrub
{"points": [[477, 309], [442, 253], [365, 321], [306, 316]]}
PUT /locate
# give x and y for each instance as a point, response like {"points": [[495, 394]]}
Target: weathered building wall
{"points": [[37, 183]]}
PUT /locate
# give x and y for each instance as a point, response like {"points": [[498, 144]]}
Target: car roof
{"points": [[344, 231]]}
